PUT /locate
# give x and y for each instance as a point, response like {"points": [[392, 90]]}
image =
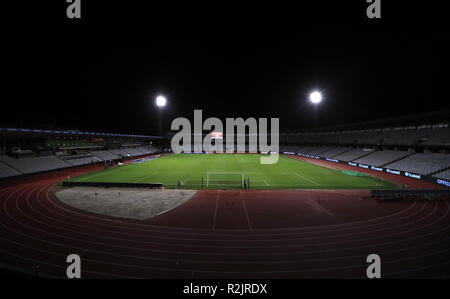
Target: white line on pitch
{"points": [[315, 183], [262, 180]]}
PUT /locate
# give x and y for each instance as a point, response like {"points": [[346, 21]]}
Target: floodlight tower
{"points": [[315, 98], [161, 103]]}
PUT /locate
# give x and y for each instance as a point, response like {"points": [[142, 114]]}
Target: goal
{"points": [[225, 179]]}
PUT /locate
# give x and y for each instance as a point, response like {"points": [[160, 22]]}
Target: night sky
{"points": [[103, 73]]}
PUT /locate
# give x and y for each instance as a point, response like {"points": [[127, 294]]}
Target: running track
{"points": [[226, 234]]}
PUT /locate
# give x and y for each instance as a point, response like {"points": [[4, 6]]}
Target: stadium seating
{"points": [[436, 137], [146, 150], [331, 138], [119, 153], [6, 171], [153, 149], [295, 138], [142, 150], [132, 151], [34, 164], [316, 138], [82, 159], [27, 162], [380, 158], [352, 154], [333, 152], [370, 138], [288, 148], [408, 137], [319, 150], [443, 174], [423, 163], [104, 155], [305, 149], [423, 137], [348, 138]]}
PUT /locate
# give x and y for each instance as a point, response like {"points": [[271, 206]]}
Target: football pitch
{"points": [[227, 171]]}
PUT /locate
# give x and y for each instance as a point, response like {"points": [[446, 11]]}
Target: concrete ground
{"points": [[134, 203]]}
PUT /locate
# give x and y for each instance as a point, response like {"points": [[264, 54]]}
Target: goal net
{"points": [[225, 179]]}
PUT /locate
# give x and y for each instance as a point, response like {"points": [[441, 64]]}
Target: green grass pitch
{"points": [[287, 173]]}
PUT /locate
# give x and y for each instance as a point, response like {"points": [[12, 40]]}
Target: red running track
{"points": [[226, 234]]}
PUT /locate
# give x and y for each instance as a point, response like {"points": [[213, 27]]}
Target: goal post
{"points": [[225, 180]]}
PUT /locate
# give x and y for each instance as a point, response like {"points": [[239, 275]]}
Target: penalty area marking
{"points": [[262, 180]]}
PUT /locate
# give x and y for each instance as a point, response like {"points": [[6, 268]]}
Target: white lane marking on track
{"points": [[215, 211], [320, 207], [245, 210]]}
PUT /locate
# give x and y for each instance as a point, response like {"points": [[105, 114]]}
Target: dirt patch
{"points": [[131, 203]]}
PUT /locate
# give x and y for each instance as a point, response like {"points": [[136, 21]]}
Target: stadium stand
{"points": [[288, 148], [353, 154], [331, 138], [399, 136], [34, 164], [132, 151], [370, 138], [104, 155], [316, 138], [333, 152], [145, 150], [445, 174], [422, 163], [29, 151], [319, 150], [295, 138], [22, 153], [407, 137], [153, 149], [6, 171], [142, 150], [348, 138], [380, 158], [81, 159], [119, 153], [436, 138], [305, 149]]}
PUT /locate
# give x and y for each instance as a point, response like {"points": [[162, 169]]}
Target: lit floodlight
{"points": [[161, 101], [315, 97]]}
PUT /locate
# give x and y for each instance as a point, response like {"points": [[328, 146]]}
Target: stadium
{"points": [[332, 198], [319, 154]]}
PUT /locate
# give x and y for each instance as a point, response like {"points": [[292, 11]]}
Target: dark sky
{"points": [[104, 72]]}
